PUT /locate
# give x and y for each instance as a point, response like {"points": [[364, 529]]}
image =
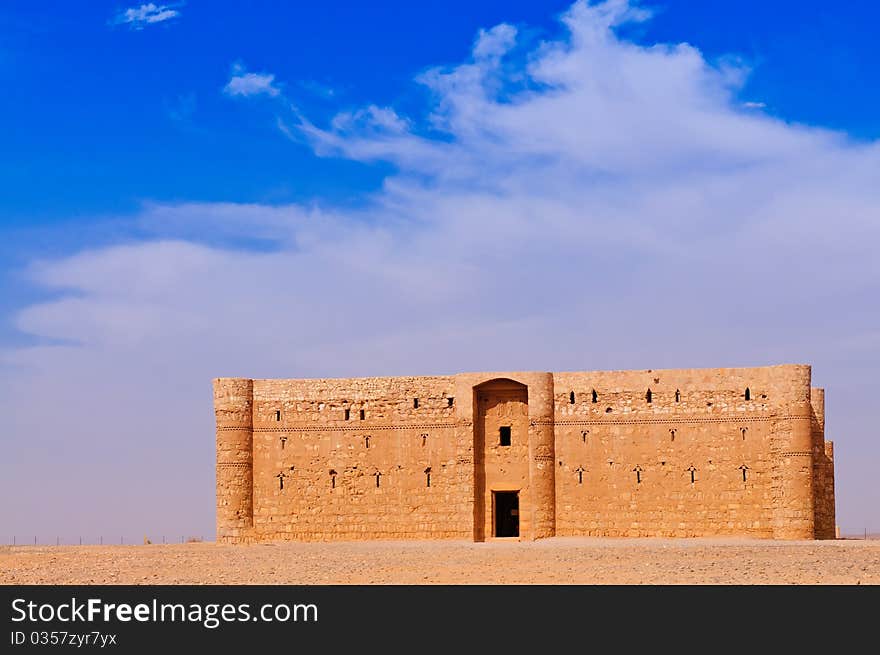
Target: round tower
{"points": [[817, 400], [542, 455], [793, 516], [233, 408]]}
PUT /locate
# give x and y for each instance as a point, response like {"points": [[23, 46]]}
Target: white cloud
{"points": [[243, 83], [146, 14], [494, 43], [621, 210]]}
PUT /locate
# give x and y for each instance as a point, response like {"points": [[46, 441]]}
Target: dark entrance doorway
{"points": [[506, 513]]}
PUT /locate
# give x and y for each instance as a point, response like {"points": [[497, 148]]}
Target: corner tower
{"points": [[233, 409], [794, 513]]}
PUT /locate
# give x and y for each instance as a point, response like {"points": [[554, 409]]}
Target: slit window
{"points": [[580, 472], [743, 431], [693, 472], [428, 477], [584, 434], [571, 397], [378, 475], [748, 394], [672, 435], [595, 396], [332, 479], [277, 414], [424, 438], [281, 477], [367, 441], [638, 471], [504, 435], [677, 396], [744, 470], [283, 441], [648, 396]]}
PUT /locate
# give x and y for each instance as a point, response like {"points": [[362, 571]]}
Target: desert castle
{"points": [[692, 452]]}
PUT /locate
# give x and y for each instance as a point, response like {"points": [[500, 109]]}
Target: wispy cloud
{"points": [[147, 14], [243, 83], [620, 210]]}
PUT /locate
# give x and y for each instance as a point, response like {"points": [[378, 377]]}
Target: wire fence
{"points": [[122, 540]]}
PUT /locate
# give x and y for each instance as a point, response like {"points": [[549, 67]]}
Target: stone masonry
{"points": [[675, 453]]}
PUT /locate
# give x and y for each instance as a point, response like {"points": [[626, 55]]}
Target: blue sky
{"points": [[100, 118], [373, 149]]}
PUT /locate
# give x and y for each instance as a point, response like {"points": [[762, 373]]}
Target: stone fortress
{"points": [[479, 456]]}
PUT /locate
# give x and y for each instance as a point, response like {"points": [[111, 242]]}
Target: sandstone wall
{"points": [[823, 469], [593, 453], [351, 459], [675, 466]]}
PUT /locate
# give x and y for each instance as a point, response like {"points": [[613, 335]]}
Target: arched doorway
{"points": [[501, 458]]}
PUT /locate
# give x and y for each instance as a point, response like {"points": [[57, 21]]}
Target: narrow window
{"points": [[571, 397], [347, 414], [277, 414], [595, 396], [281, 477], [283, 441], [677, 395], [743, 431], [672, 435], [428, 477], [332, 479], [363, 414], [504, 435], [638, 471], [693, 472], [424, 438], [367, 441], [415, 403], [450, 401], [580, 472], [378, 475], [744, 468], [584, 434], [748, 394], [648, 396]]}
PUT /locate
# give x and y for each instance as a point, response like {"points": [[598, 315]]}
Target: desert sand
{"points": [[549, 561]]}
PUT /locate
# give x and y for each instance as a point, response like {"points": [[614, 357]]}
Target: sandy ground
{"points": [[549, 561]]}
